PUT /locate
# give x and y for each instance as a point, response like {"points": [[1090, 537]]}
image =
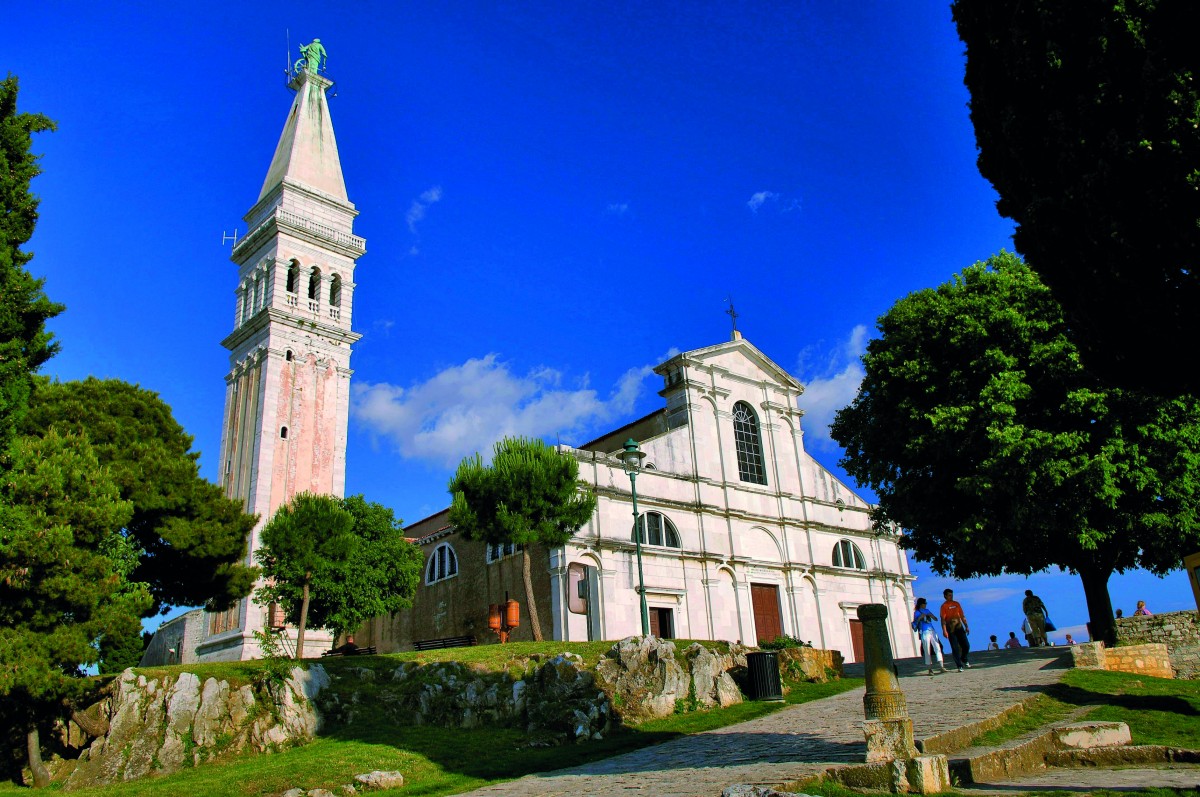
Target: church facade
{"points": [[745, 536]]}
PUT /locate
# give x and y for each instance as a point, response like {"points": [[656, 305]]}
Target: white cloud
{"points": [[617, 208], [830, 384], [466, 408], [761, 198], [416, 211], [779, 202]]}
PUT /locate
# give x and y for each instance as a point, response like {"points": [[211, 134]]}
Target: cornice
{"points": [[265, 318]]}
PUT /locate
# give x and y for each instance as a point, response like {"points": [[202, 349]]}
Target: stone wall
{"points": [[1178, 631], [1147, 659]]}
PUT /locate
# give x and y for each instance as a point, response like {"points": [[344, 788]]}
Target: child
{"points": [[993, 645], [925, 623]]}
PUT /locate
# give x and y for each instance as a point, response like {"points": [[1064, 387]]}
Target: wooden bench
{"points": [[446, 642], [367, 651]]}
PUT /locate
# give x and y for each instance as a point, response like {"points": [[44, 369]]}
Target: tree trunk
{"points": [[534, 624], [33, 745], [1100, 611], [303, 617]]}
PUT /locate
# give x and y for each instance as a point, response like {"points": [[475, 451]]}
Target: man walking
{"points": [[1035, 613], [954, 628]]}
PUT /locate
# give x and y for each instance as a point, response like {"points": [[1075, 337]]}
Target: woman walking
{"points": [[925, 623]]}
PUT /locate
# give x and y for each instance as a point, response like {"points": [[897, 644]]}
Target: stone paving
{"points": [[802, 740]]}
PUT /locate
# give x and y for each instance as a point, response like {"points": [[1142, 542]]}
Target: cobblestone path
{"points": [[795, 742]]}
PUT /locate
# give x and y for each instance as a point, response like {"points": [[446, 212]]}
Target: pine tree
{"points": [[529, 495], [24, 309]]}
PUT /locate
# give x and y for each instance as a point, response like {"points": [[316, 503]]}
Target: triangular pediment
{"points": [[738, 347]]}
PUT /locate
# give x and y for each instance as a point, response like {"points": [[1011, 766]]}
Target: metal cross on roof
{"points": [[733, 315]]}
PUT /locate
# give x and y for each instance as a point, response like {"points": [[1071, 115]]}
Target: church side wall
{"points": [[458, 606]]}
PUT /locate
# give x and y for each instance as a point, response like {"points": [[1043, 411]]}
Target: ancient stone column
{"points": [[888, 727]]}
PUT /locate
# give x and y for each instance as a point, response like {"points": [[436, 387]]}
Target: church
{"points": [[743, 535]]}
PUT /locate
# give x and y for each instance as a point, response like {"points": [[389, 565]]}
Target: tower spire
{"points": [[307, 152]]}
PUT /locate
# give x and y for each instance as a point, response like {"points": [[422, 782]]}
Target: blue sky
{"points": [[554, 197]]}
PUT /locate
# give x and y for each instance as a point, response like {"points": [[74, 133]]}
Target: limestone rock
{"points": [[379, 779], [293, 793], [643, 675], [319, 793], [158, 727]]}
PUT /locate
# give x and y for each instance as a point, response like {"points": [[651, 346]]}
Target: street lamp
{"points": [[632, 458]]}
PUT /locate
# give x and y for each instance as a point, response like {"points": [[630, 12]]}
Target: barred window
{"points": [[443, 564], [657, 529], [846, 554], [749, 444], [500, 550]]}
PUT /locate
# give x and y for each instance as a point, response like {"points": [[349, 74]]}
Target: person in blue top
{"points": [[926, 623]]}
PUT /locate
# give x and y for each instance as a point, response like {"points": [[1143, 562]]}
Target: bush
{"points": [[784, 642]]}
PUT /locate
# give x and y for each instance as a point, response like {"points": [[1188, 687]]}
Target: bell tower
{"points": [[287, 393]]}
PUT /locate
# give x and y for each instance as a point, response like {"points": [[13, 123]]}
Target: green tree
{"points": [[985, 438], [59, 593], [1085, 117], [192, 539], [529, 495], [24, 309], [378, 577], [310, 536]]}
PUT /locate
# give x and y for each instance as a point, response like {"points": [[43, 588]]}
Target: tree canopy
{"points": [[191, 537], [378, 576], [60, 592], [1085, 118], [309, 539], [24, 309], [530, 494], [985, 437]]}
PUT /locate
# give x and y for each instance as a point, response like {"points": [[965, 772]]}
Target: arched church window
{"points": [[314, 284], [335, 291], [847, 554], [287, 355], [293, 277], [258, 292], [443, 564], [247, 301], [283, 433], [656, 528], [749, 444]]}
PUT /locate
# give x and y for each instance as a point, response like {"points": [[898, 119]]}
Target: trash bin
{"points": [[765, 683]]}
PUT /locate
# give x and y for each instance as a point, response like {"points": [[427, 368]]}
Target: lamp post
{"points": [[632, 460]]}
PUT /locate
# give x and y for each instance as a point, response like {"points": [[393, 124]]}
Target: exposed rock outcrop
{"points": [[647, 678], [149, 726]]}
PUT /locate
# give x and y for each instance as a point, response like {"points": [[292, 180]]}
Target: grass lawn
{"points": [[434, 761], [1157, 710]]}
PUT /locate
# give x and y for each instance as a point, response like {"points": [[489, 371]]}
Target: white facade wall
{"points": [[732, 533]]}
